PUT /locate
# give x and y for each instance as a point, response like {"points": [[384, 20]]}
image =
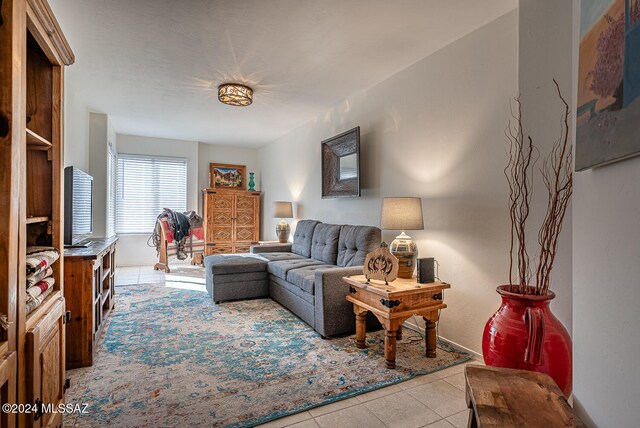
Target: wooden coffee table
{"points": [[392, 304]]}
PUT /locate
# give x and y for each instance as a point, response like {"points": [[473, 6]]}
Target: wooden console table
{"points": [[501, 397], [392, 304], [89, 290]]}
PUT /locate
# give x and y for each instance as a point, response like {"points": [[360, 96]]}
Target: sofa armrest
{"points": [[333, 313], [271, 248]]}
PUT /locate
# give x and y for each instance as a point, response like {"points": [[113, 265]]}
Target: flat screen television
{"points": [[78, 202]]}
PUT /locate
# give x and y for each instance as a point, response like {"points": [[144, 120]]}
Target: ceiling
{"points": [[154, 65]]}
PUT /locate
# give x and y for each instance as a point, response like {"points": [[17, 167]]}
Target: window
{"points": [[112, 168], [146, 185]]}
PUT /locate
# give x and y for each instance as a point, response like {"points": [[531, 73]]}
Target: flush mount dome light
{"points": [[235, 94]]}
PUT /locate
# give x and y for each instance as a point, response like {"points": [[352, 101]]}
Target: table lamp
{"points": [[403, 214], [282, 210]]}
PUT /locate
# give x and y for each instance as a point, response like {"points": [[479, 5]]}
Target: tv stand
{"points": [[89, 279]]}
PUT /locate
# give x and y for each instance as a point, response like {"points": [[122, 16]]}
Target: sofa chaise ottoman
{"points": [[236, 276], [305, 276]]}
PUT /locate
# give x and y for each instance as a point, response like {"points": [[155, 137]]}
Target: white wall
{"points": [[544, 53], [208, 153], [606, 290], [605, 235], [606, 337], [85, 146], [434, 130], [101, 134], [132, 250], [76, 128]]}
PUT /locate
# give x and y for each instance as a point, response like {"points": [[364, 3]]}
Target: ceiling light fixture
{"points": [[235, 94]]}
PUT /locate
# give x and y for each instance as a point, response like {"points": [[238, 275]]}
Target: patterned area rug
{"points": [[172, 358]]}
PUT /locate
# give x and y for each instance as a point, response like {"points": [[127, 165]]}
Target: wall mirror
{"points": [[348, 166], [341, 165]]}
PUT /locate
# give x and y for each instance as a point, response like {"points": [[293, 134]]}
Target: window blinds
{"points": [[146, 185]]}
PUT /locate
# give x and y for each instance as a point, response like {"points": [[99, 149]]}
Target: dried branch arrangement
{"points": [[557, 175]]}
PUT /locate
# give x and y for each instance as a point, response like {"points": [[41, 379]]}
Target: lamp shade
{"points": [[401, 214], [282, 209]]}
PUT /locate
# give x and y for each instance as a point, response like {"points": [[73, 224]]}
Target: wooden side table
{"points": [[392, 304], [501, 397]]}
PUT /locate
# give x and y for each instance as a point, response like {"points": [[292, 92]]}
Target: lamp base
{"points": [[282, 231], [406, 251]]}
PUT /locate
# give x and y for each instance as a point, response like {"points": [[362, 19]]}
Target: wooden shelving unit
{"points": [[33, 220], [33, 318], [105, 274], [33, 54], [36, 142]]}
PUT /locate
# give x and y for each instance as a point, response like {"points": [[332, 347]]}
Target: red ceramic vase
{"points": [[524, 334]]}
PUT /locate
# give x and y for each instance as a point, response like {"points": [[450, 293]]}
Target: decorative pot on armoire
{"points": [[524, 333]]}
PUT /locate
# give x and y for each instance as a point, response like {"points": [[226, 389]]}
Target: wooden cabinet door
{"points": [[8, 387], [219, 227], [45, 351], [80, 293], [246, 219]]}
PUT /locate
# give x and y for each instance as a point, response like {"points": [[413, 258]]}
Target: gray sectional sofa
{"points": [[305, 276]]}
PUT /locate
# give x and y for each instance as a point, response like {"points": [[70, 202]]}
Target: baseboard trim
{"points": [[474, 354]]}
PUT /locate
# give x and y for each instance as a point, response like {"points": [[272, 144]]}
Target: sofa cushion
{"points": [[276, 256], [355, 243], [280, 285], [303, 236], [305, 277], [281, 267], [270, 248], [223, 264], [324, 245], [240, 277]]}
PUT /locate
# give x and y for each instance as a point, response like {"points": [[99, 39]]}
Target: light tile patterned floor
{"points": [[146, 275], [434, 401], [138, 275]]}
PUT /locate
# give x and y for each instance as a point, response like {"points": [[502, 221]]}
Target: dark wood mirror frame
{"points": [[333, 149]]}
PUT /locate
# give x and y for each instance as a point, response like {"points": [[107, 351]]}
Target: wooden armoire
{"points": [[231, 220], [33, 54]]}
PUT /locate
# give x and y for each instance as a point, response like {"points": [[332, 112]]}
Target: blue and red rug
{"points": [[171, 357]]}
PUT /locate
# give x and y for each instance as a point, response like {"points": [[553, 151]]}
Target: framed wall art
{"points": [[341, 165], [227, 176], [608, 110]]}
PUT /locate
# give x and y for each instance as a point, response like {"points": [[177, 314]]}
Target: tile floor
{"points": [[436, 400], [138, 275]]}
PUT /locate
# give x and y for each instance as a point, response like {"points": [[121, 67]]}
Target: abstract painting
{"points": [[608, 114], [226, 176]]}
